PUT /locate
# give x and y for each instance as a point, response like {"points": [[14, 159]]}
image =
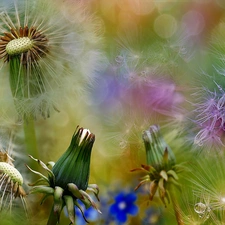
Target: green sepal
{"points": [[94, 188], [88, 197], [173, 174], [163, 174], [75, 191], [42, 189], [39, 174], [70, 207], [58, 201]]}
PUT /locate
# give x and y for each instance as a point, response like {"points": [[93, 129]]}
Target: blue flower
{"points": [[124, 204]]}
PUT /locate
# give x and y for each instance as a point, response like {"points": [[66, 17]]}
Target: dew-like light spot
{"points": [[222, 199], [165, 25], [193, 22], [200, 208]]}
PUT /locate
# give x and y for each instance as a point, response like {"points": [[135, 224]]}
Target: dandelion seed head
{"points": [[17, 46], [42, 43], [12, 172]]}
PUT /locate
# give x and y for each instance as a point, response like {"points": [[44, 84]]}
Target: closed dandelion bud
{"points": [[67, 179], [156, 148], [74, 165], [161, 169]]}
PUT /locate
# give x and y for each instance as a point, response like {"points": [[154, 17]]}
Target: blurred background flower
{"points": [[117, 67]]}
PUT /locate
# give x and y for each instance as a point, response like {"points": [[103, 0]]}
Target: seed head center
{"points": [[122, 205], [18, 46], [12, 172]]}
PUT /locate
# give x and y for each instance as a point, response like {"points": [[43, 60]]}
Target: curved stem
{"points": [[30, 140], [176, 208]]}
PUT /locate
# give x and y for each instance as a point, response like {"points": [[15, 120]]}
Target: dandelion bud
{"points": [[156, 147], [67, 181], [73, 166], [161, 169]]}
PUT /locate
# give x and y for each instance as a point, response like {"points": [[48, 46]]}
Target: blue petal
{"points": [[91, 214], [131, 197], [114, 209], [120, 197], [132, 209], [80, 221], [122, 217]]}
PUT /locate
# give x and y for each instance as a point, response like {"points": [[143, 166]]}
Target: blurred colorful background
{"points": [[157, 63]]}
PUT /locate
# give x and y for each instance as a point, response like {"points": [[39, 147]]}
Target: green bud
{"points": [[74, 165], [156, 148]]}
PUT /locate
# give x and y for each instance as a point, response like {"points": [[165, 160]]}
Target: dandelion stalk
{"points": [[30, 139], [176, 207]]}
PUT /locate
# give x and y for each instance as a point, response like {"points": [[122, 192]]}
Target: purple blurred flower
{"points": [[154, 94], [109, 89], [124, 204], [210, 118]]}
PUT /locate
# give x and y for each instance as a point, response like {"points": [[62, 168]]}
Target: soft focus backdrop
{"points": [[159, 62]]}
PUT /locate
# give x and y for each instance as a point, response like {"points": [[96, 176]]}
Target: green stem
{"points": [[52, 220], [30, 140]]}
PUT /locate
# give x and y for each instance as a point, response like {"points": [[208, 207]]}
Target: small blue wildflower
{"points": [[124, 204]]}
